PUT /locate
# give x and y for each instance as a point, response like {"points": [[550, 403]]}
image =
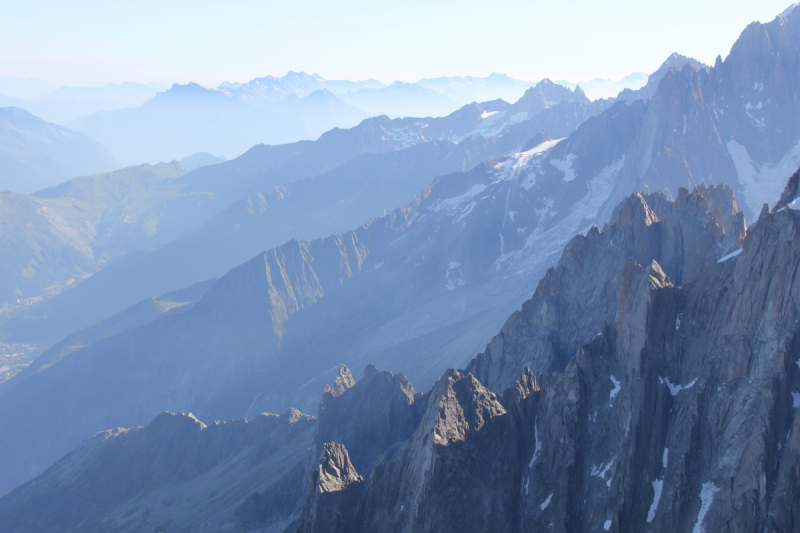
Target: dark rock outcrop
{"points": [[582, 293], [375, 413], [679, 413]]}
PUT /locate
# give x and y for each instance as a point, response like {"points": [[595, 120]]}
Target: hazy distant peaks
{"points": [[300, 84], [32, 88], [201, 159]]}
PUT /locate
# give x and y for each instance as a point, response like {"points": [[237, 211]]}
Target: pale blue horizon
{"points": [[90, 42]]}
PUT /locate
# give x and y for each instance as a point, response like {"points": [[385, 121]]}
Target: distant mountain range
{"points": [[64, 104], [467, 89], [189, 118], [608, 88], [25, 89], [140, 125]]}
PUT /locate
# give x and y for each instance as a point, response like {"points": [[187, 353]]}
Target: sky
{"points": [[208, 42]]}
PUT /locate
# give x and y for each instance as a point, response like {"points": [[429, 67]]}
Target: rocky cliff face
{"points": [[582, 293], [677, 412]]}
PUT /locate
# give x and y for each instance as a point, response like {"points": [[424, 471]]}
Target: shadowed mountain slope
{"points": [[440, 272]]}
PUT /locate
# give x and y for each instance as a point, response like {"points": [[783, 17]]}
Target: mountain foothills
{"points": [[641, 418], [35, 154]]}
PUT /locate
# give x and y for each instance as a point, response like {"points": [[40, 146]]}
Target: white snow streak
{"points": [[730, 256], [658, 486], [607, 525], [450, 203], [597, 472], [538, 449], [796, 400], [706, 497], [616, 389], [546, 502], [565, 166]]}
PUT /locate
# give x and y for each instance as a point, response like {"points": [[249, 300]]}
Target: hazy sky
{"points": [[237, 40]]}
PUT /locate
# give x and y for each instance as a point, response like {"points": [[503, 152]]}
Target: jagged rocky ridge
{"points": [[679, 413]]}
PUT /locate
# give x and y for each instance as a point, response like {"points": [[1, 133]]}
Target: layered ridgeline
{"points": [[233, 117], [420, 288], [35, 154], [357, 174], [666, 402], [707, 125], [415, 290]]}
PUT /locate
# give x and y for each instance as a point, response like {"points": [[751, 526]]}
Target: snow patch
{"points": [[597, 472], [665, 458], [658, 486], [546, 502], [616, 389], [550, 242], [796, 400], [678, 321], [404, 136], [730, 256], [762, 183], [675, 389], [707, 494], [794, 205], [512, 166], [518, 117], [565, 166], [450, 203], [490, 126], [607, 525]]}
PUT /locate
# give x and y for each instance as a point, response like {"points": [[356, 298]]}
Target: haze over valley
{"points": [[400, 303]]}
